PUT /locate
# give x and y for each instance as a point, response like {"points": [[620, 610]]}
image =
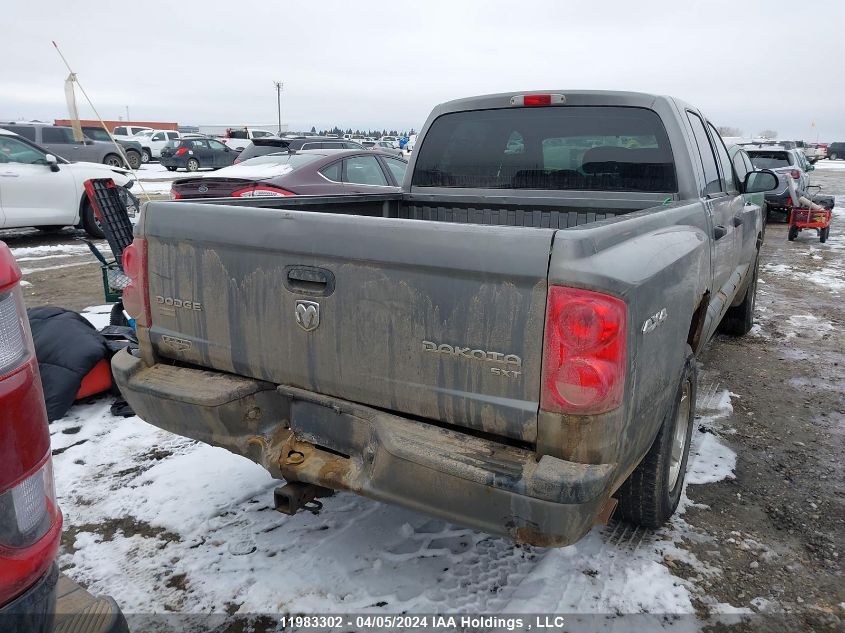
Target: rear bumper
{"points": [[777, 200], [57, 604], [308, 437], [173, 161]]}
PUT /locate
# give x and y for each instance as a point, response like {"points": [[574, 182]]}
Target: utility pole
{"points": [[279, 87], [127, 115]]}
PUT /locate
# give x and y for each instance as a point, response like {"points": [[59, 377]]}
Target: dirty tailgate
{"points": [[442, 321]]}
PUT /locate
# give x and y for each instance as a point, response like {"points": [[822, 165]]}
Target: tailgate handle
{"points": [[309, 280]]}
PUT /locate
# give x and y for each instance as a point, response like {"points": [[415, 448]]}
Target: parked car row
{"points": [[813, 152], [180, 150], [59, 141]]}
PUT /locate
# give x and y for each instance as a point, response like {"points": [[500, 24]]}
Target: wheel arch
{"points": [[83, 200], [695, 335]]}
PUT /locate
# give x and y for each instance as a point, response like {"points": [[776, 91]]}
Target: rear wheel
{"points": [[146, 157], [823, 234], [134, 158], [192, 165], [793, 233], [834, 156], [651, 493], [113, 160], [89, 221], [739, 320]]}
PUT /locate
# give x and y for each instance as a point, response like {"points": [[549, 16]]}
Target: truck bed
{"points": [[564, 211]]}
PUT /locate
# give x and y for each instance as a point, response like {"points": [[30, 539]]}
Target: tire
{"points": [[89, 221], [113, 160], [793, 233], [834, 156], [171, 169], [651, 493], [823, 234], [134, 159], [117, 317], [192, 165], [146, 156]]}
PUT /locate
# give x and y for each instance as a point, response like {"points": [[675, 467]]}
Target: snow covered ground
{"points": [[830, 164], [167, 524], [155, 180]]}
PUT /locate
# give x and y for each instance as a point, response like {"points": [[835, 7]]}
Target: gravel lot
{"points": [[768, 538]]}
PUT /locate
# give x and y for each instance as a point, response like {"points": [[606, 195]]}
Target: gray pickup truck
{"points": [[508, 343]]}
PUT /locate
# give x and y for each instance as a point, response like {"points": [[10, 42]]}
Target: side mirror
{"points": [[52, 162], [760, 181], [811, 166]]}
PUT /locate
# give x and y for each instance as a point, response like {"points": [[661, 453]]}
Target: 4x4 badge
{"points": [[308, 314]]}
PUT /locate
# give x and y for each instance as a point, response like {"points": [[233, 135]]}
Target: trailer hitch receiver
{"points": [[296, 496]]}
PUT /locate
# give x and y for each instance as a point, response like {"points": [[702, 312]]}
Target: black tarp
{"points": [[67, 347]]}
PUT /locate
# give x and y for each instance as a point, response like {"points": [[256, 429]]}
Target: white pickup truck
{"points": [[152, 142], [239, 138]]}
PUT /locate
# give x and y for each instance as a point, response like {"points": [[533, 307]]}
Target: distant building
{"points": [[156, 125]]}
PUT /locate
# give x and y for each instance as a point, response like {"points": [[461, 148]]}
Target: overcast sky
{"points": [[385, 63]]}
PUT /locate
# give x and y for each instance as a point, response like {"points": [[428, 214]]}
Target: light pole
{"points": [[279, 86], [127, 115]]}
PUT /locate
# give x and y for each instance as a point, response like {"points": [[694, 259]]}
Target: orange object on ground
{"points": [[96, 381]]}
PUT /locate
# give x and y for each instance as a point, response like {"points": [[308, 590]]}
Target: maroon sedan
{"points": [[307, 172]]}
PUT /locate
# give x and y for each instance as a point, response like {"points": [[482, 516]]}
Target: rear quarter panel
{"points": [[656, 259]]}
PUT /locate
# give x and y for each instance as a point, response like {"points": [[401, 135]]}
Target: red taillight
{"points": [[236, 161], [30, 521], [174, 195], [29, 531], [181, 150], [538, 100], [136, 294], [796, 175], [261, 191], [584, 351]]}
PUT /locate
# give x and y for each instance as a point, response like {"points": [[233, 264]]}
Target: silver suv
{"points": [[785, 163], [59, 140]]}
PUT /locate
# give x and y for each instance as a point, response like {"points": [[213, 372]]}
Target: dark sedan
{"points": [[308, 172], [192, 154]]}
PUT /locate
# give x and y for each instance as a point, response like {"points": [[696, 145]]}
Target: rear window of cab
{"points": [[558, 148]]}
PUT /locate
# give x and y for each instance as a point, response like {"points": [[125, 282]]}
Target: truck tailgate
{"points": [[435, 320]]}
